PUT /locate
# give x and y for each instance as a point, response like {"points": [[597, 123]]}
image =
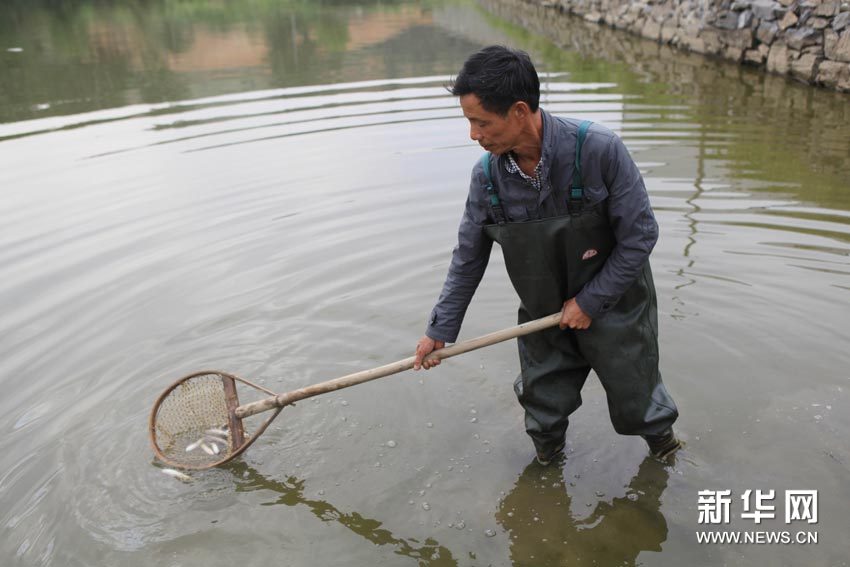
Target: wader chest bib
{"points": [[549, 261]]}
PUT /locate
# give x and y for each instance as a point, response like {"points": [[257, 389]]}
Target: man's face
{"points": [[493, 132]]}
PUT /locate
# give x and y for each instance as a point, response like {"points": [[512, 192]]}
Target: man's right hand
{"points": [[424, 347]]}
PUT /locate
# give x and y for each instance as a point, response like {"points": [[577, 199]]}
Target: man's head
{"points": [[499, 76], [499, 92]]}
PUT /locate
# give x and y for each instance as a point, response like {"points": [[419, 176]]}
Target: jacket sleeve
{"points": [[469, 261], [634, 226]]}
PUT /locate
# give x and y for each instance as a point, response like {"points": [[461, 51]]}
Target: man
{"points": [[569, 208]]}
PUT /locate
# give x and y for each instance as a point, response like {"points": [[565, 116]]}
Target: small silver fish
{"points": [[216, 443], [194, 445], [177, 474], [207, 449], [217, 432]]}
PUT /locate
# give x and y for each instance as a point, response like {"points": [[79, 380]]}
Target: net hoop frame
{"points": [[231, 409]]}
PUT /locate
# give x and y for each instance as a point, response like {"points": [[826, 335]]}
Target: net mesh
{"points": [[190, 426]]}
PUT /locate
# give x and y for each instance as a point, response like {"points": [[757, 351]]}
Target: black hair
{"points": [[499, 76]]}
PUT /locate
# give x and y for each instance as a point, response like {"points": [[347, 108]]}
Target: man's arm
{"points": [[469, 262], [634, 226]]}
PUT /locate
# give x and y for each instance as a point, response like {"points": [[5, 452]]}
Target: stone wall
{"points": [[808, 40]]}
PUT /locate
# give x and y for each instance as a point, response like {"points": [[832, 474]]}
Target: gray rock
{"points": [[841, 21], [755, 56], [800, 38], [788, 20], [818, 23], [805, 68], [741, 5], [834, 75], [839, 49], [828, 8], [692, 42], [777, 59], [741, 39], [660, 13], [651, 30], [726, 21], [768, 10], [752, 56], [830, 41], [745, 19], [766, 32], [733, 53], [711, 41], [669, 31]]}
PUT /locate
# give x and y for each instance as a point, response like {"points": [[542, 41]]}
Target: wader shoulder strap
{"points": [[495, 203], [576, 200]]}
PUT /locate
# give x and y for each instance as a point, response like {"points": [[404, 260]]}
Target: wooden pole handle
{"points": [[288, 398]]}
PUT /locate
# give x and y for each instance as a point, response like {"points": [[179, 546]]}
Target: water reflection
{"points": [[82, 56], [544, 531], [290, 492]]}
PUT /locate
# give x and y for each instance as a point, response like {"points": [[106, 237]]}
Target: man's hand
{"points": [[573, 317], [424, 347]]}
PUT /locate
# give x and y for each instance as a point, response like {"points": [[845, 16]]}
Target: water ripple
{"points": [[296, 235]]}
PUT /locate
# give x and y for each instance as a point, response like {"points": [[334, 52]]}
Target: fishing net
{"points": [[193, 423]]}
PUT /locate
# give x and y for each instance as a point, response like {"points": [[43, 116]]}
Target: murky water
{"points": [[273, 190]]}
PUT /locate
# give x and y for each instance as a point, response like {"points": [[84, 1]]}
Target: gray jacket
{"points": [[609, 174]]}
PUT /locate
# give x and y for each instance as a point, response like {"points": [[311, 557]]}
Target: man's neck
{"points": [[530, 147]]}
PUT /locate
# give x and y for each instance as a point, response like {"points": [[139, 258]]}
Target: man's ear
{"points": [[521, 109]]}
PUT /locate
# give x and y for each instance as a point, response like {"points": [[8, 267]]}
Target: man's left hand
{"points": [[573, 317]]}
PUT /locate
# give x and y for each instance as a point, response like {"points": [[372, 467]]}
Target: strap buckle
{"points": [[575, 203]]}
